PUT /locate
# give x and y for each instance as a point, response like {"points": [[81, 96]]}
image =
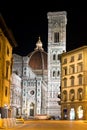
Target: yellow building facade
{"points": [[74, 84], [7, 43]]}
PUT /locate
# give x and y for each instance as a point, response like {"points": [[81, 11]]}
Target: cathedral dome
{"points": [[38, 58]]}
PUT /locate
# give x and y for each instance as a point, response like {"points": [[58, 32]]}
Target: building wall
{"points": [[33, 88], [5, 70], [56, 45], [15, 95], [74, 84]]}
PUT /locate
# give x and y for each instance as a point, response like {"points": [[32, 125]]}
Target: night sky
{"points": [[28, 21]]}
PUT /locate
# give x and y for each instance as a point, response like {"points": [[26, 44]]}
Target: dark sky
{"points": [[28, 21]]}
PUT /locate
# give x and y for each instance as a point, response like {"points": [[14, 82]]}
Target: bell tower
{"points": [[56, 45]]}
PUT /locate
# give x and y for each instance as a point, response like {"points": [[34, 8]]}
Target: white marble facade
{"points": [[33, 85], [56, 45], [40, 87]]}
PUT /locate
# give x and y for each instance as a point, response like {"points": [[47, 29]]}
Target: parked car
{"points": [[19, 120]]}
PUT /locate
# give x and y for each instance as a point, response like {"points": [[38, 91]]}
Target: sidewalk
{"points": [[7, 123]]}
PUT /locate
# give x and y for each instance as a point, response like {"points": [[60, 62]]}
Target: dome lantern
{"points": [[39, 45]]}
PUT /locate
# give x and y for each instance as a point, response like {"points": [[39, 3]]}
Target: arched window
{"points": [[54, 73], [80, 93], [72, 94], [64, 95], [54, 57], [58, 73], [56, 37], [80, 79], [58, 57], [72, 80], [65, 82]]}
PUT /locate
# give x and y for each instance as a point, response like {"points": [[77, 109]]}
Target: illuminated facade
{"points": [[15, 95], [74, 84], [33, 71], [6, 45], [56, 45]]}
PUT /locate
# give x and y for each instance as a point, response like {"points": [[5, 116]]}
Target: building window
{"points": [[64, 95], [54, 57], [58, 73], [72, 69], [72, 59], [65, 71], [50, 94], [56, 37], [72, 95], [54, 73], [80, 78], [79, 67], [38, 83], [79, 56], [72, 80], [6, 91], [65, 61], [65, 82], [7, 51], [7, 68], [58, 56], [24, 73], [80, 93]]}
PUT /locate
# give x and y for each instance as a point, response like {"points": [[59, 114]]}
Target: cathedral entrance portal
{"points": [[32, 109]]}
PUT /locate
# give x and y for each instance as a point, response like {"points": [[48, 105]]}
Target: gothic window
{"points": [[80, 79], [25, 83], [54, 73], [65, 82], [24, 73], [58, 73], [54, 57], [72, 95], [72, 80], [28, 83], [38, 83], [56, 37], [58, 57], [54, 95], [80, 56], [24, 68], [38, 94]]}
